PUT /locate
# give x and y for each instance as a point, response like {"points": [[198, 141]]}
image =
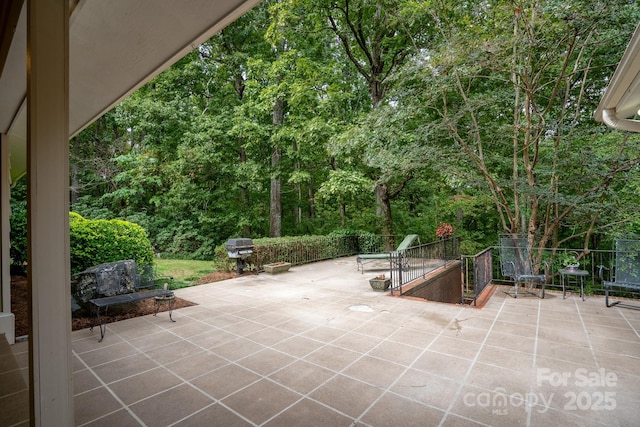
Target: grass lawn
{"points": [[184, 272]]}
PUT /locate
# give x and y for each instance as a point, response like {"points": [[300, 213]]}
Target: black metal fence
{"points": [[304, 250], [477, 273], [482, 269], [479, 270], [416, 262], [592, 261]]}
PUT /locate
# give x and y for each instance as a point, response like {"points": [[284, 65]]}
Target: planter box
{"points": [[380, 284], [277, 267]]}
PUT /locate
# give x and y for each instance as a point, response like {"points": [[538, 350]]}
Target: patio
{"points": [[317, 346]]}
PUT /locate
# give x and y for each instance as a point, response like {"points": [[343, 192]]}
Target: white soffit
{"points": [[13, 81], [115, 47]]}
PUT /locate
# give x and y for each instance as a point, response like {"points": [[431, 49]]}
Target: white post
{"points": [[7, 319], [50, 366]]}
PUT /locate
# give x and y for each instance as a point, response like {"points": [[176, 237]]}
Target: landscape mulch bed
{"points": [[83, 319]]}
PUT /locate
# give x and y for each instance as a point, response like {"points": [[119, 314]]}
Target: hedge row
{"points": [[304, 249]]}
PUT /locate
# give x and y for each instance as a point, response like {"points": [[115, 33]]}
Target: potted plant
{"points": [[380, 283], [444, 231], [569, 260]]}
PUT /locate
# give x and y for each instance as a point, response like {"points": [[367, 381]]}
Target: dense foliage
{"points": [[92, 242], [99, 241], [517, 111], [389, 116], [18, 234], [305, 249]]}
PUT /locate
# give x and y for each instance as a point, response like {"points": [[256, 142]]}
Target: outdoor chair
{"points": [[626, 270], [515, 262], [407, 243]]}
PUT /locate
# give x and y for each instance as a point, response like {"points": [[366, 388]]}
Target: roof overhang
{"points": [[115, 47], [620, 104]]}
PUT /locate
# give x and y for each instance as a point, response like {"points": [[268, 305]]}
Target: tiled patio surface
{"points": [[317, 347]]}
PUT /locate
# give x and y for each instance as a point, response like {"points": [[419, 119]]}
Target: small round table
{"points": [[578, 277]]}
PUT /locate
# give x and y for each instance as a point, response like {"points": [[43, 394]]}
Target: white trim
{"points": [[7, 319], [621, 99], [610, 119], [50, 356]]}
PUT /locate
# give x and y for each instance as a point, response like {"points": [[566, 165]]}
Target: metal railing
{"points": [[590, 262], [477, 271], [416, 262], [304, 250], [307, 249], [482, 269]]}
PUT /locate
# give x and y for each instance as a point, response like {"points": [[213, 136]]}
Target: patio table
{"points": [[573, 276]]}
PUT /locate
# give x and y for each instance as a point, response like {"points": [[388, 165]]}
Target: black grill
{"points": [[239, 249]]}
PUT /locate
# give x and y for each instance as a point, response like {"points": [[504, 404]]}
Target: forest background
{"points": [[387, 116]]}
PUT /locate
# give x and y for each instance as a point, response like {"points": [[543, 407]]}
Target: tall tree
{"points": [[311, 85], [377, 38], [515, 92], [91, 153], [227, 56]]}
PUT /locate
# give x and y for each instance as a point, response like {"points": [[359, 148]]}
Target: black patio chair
{"points": [[626, 271], [515, 262]]}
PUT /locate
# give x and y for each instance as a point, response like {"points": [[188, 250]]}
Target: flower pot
{"points": [[277, 267], [380, 284]]}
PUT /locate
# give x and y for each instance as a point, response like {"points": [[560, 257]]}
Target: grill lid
{"points": [[239, 244]]}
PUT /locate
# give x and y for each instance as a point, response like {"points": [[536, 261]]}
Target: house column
{"points": [[50, 367], [7, 319]]}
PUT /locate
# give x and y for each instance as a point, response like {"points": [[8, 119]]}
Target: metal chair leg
{"points": [[170, 300], [101, 323]]}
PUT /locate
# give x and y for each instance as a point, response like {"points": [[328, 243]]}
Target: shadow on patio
{"points": [[317, 346]]}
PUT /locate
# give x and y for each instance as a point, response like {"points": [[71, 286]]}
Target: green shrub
{"points": [[303, 249], [370, 243], [18, 237], [92, 242], [98, 241]]}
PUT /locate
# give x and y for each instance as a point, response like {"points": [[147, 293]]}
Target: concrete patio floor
{"points": [[316, 346]]}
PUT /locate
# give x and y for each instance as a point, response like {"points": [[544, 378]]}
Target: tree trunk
{"points": [[275, 205], [312, 201], [239, 86], [244, 192], [298, 186], [383, 210], [73, 197], [384, 41], [74, 184]]}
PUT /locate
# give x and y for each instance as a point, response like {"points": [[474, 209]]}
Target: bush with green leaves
{"points": [[304, 249], [99, 241], [18, 249]]}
